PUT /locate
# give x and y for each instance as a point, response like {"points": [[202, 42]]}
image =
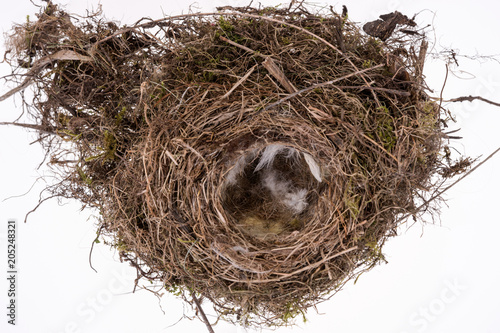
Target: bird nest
{"points": [[257, 158]]}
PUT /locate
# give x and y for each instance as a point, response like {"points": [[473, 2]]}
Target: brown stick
{"points": [[240, 81], [92, 246], [472, 98], [309, 267], [243, 47], [203, 316], [421, 60], [391, 91]]}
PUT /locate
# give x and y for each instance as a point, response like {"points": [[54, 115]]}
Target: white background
{"points": [[440, 278]]}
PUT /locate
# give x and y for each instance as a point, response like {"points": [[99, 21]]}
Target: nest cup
{"points": [[270, 192], [258, 158]]}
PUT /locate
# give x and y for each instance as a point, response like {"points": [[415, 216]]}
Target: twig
{"points": [[203, 316], [442, 89], [38, 128], [275, 71], [421, 60], [40, 202], [40, 64], [240, 81], [92, 247], [338, 33], [243, 47], [391, 91], [380, 147], [472, 98], [439, 193]]}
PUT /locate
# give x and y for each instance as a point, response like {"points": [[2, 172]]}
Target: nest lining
{"points": [[239, 155], [269, 192]]}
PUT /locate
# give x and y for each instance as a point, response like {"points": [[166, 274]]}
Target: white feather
{"points": [[282, 191], [238, 168], [268, 156], [296, 201], [239, 249], [273, 184], [313, 166]]}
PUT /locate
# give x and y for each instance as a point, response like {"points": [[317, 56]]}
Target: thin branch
{"points": [[240, 81], [439, 193], [339, 35], [203, 315], [92, 247], [40, 202], [472, 98], [442, 89]]}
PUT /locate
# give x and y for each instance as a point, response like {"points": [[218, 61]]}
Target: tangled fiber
{"points": [[255, 157]]}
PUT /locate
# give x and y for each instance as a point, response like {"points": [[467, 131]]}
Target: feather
{"points": [[238, 168], [270, 152], [296, 201], [313, 166], [282, 191], [268, 155]]}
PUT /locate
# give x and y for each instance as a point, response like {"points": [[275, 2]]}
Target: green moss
{"points": [[121, 246], [86, 179], [110, 145], [120, 115], [375, 254], [225, 25], [292, 310], [367, 64], [385, 129]]}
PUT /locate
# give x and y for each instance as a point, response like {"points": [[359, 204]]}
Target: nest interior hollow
{"points": [[257, 157], [271, 192]]}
